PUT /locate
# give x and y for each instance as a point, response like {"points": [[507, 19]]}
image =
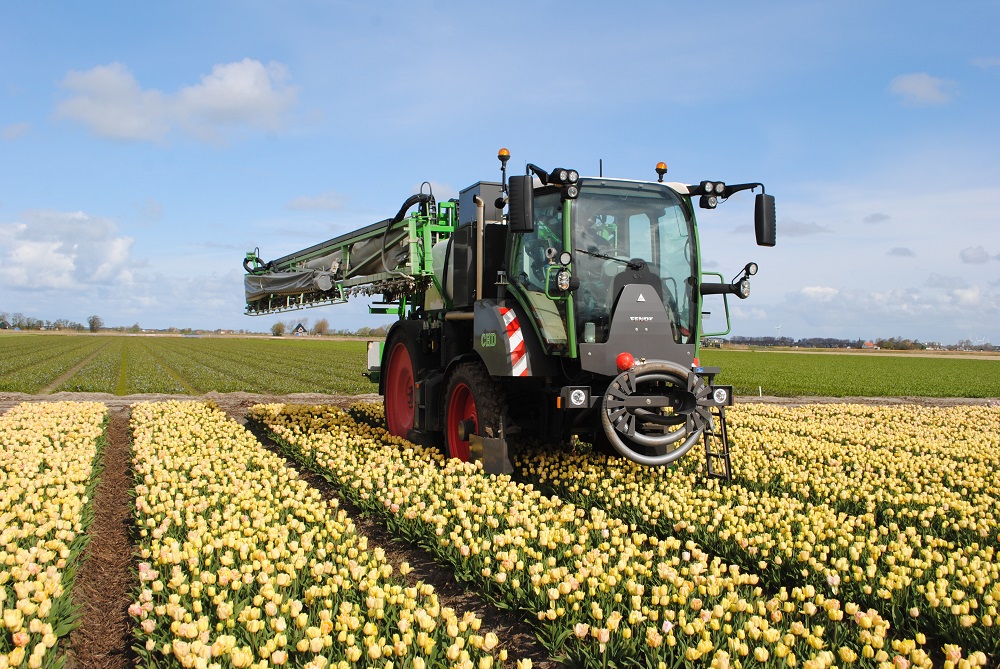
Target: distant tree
{"points": [[321, 327], [95, 323], [278, 329], [135, 329]]}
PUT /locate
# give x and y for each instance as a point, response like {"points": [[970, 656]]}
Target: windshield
{"points": [[615, 223], [532, 266]]}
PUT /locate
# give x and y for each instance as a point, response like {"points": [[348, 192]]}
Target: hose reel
{"points": [[635, 418]]}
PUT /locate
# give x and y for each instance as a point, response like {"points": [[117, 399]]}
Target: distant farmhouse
{"points": [[299, 330]]}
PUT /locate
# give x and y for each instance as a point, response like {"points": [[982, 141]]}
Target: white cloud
{"points": [[944, 310], [986, 62], [247, 93], [66, 251], [15, 131], [109, 101], [798, 229], [969, 297], [876, 218], [820, 293], [974, 255], [741, 313], [923, 90], [946, 282]]}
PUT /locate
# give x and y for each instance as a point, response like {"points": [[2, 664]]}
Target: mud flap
{"points": [[492, 452]]}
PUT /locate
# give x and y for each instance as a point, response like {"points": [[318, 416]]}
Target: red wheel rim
{"points": [[399, 391], [461, 407]]}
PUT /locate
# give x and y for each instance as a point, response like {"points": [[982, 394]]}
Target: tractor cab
{"points": [[609, 273]]}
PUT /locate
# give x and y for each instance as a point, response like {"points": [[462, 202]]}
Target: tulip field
{"points": [[47, 472], [852, 534], [840, 546]]}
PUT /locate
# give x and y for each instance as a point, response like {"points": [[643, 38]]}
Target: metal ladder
{"points": [[716, 439]]}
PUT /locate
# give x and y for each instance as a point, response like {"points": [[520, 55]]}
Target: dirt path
{"points": [[104, 584]]}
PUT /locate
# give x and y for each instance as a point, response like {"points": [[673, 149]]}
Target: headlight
{"points": [[751, 268], [744, 289], [562, 280], [720, 188], [571, 192], [707, 186], [573, 177], [720, 396], [565, 258], [561, 175]]}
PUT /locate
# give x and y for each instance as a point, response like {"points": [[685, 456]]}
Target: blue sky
{"points": [[145, 147]]}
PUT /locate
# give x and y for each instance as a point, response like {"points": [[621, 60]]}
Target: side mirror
{"points": [[522, 204], [764, 220]]}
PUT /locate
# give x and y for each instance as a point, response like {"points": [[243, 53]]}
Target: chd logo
{"points": [[488, 339]]}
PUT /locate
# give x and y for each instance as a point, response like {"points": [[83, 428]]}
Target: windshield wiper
{"points": [[634, 266]]}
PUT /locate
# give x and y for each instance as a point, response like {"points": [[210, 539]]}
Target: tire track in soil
{"points": [[514, 633], [71, 372], [104, 584], [170, 371]]}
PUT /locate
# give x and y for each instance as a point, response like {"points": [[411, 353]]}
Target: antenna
{"points": [[600, 167]]}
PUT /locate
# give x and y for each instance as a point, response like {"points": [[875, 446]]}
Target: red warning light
{"points": [[625, 361]]}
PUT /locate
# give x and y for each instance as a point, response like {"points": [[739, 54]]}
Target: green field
{"points": [[854, 375], [128, 365]]}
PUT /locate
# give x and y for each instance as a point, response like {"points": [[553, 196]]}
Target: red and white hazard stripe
{"points": [[518, 354]]}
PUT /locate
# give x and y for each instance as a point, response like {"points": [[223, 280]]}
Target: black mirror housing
{"points": [[522, 204], [764, 219]]}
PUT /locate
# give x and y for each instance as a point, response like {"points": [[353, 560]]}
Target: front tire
{"points": [[400, 386], [474, 404]]}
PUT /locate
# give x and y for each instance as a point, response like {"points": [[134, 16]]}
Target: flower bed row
{"points": [[245, 565], [781, 525], [929, 467], [47, 476], [599, 589]]}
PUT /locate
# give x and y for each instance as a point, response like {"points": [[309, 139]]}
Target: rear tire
{"points": [[474, 404], [400, 385]]}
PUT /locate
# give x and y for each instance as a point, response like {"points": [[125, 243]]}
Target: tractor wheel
{"points": [[474, 404], [400, 390]]}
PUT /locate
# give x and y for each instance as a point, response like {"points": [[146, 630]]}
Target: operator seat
{"points": [[643, 275]]}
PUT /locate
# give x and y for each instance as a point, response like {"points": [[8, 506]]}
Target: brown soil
{"points": [[104, 584], [103, 588]]}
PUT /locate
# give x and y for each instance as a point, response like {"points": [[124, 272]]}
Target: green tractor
{"points": [[547, 304]]}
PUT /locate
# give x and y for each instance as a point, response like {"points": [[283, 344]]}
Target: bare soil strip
{"points": [[104, 583]]}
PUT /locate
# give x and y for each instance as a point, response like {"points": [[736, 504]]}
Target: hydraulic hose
{"points": [[421, 198]]}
